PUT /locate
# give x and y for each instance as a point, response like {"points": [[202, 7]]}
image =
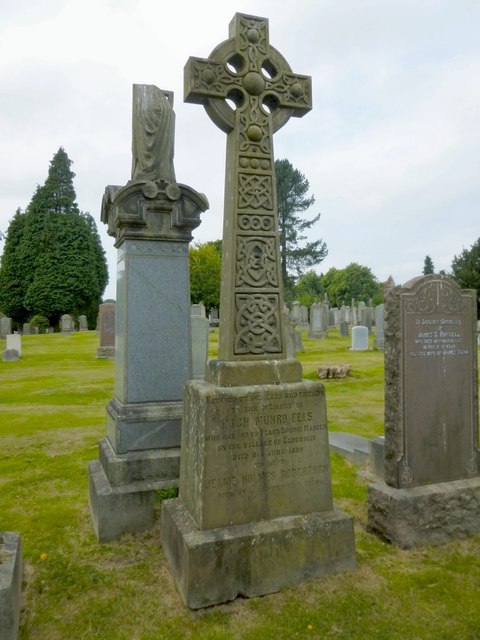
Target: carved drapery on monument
{"points": [[247, 72]]}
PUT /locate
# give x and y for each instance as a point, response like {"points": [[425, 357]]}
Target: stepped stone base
{"points": [[122, 488], [252, 559], [427, 515], [10, 584]]}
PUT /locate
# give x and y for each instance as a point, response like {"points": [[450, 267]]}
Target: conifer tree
{"points": [[293, 198], [53, 262]]}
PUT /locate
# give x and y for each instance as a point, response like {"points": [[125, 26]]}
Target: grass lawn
{"points": [[52, 408]]}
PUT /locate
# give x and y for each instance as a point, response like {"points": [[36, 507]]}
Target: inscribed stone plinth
{"points": [[10, 584], [431, 410], [152, 219], [254, 512], [106, 329]]}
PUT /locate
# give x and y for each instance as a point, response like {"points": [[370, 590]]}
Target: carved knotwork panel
{"points": [[255, 191], [437, 296], [257, 324]]}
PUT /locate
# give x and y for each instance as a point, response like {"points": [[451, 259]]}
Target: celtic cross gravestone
{"points": [[253, 76], [255, 511]]}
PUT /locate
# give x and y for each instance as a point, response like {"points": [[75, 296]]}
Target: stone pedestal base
{"points": [[10, 584], [122, 488], [255, 510], [252, 559], [428, 515]]}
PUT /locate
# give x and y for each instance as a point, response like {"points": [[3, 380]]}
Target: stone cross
{"points": [[249, 91]]}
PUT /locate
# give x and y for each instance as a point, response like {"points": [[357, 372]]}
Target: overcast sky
{"points": [[391, 148]]}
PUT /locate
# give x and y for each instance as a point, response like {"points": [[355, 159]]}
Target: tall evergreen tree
{"points": [[428, 266], [53, 261], [292, 198]]}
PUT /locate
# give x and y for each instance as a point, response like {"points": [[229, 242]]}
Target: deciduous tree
{"points": [[466, 270]]}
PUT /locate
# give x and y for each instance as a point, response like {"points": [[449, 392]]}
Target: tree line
{"points": [[53, 261]]}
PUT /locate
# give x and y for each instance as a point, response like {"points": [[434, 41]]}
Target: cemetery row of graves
{"points": [[72, 586], [208, 504]]}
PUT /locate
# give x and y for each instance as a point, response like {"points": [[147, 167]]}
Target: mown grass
{"points": [[52, 408]]}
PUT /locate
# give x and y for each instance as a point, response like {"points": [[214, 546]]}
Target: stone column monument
{"points": [[151, 218], [255, 510]]}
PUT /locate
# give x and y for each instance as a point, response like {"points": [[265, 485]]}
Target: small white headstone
{"points": [[359, 338], [14, 341]]}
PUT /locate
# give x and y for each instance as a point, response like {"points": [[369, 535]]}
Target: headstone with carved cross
{"points": [[255, 511]]}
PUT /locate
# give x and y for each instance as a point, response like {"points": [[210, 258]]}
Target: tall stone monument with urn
{"points": [[151, 218], [254, 512]]}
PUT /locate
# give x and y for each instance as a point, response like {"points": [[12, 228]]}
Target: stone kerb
{"points": [[432, 460], [10, 584]]}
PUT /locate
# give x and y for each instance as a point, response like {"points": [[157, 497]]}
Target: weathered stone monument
{"points": [[255, 510], [151, 218], [431, 492], [83, 323], [106, 329], [10, 584]]}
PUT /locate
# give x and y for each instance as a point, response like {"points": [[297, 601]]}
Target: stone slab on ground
{"points": [[350, 446], [217, 565], [10, 584], [426, 515]]}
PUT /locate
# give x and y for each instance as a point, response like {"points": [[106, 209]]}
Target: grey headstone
{"points": [[66, 323], [198, 310], [82, 323], [106, 329], [359, 338], [344, 329], [5, 326], [431, 412], [200, 330]]}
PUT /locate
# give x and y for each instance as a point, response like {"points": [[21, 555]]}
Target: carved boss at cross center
{"points": [[249, 91]]}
